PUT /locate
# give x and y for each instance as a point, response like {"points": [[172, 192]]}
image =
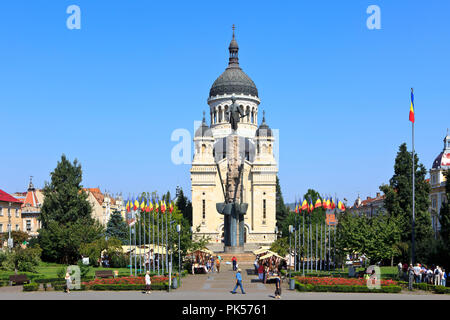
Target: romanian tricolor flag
{"points": [[411, 109], [136, 204], [318, 203], [305, 205], [341, 206], [143, 205], [328, 204], [128, 205], [163, 206], [147, 207], [156, 207], [332, 204], [311, 206], [150, 207], [171, 207]]}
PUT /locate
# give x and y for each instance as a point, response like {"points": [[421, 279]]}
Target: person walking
{"points": [[68, 282], [261, 272], [218, 264], [238, 282], [148, 282], [444, 278], [412, 276], [234, 261]]}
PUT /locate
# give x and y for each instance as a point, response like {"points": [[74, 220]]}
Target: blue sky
{"points": [[111, 93]]}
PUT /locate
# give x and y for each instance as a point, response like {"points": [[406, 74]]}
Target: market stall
{"points": [[199, 259]]}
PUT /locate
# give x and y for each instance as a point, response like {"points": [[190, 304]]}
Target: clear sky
{"points": [[111, 93]]}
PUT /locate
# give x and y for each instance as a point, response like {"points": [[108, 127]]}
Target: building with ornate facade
{"points": [[31, 210], [369, 207], [438, 182], [209, 166], [10, 214]]}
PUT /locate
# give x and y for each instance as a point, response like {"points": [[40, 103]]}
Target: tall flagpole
{"points": [[157, 237], [317, 243], [303, 241], [413, 253], [167, 239], [153, 237], [143, 229], [295, 243]]}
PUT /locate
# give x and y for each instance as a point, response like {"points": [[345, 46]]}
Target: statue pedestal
{"points": [[234, 249]]}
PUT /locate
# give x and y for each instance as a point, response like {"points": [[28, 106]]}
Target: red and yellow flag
{"points": [[163, 206], [171, 207], [411, 109], [136, 204], [318, 203], [143, 205], [156, 207], [128, 206], [305, 205]]}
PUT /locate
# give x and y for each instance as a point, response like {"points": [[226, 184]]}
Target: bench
{"points": [[104, 274], [18, 279]]}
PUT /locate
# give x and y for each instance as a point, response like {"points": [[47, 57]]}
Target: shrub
{"points": [[345, 288], [441, 290], [61, 273], [31, 287], [127, 287], [24, 260]]}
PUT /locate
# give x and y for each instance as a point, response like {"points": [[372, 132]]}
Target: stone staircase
{"points": [[242, 258]]}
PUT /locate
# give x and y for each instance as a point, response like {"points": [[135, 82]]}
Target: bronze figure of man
{"points": [[235, 113]]}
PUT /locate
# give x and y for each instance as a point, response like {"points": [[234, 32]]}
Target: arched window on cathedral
{"points": [[220, 114], [247, 112], [253, 115], [225, 117], [203, 148], [215, 116]]}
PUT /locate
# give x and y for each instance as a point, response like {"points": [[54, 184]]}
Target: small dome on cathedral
{"points": [[204, 130], [264, 130], [443, 159]]}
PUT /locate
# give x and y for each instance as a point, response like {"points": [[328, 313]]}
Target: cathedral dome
{"points": [[233, 79]]}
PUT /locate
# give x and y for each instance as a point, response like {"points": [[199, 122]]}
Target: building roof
{"points": [[233, 79], [264, 130], [203, 130], [6, 197]]}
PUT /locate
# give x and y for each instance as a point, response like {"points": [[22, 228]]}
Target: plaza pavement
{"points": [[213, 286]]}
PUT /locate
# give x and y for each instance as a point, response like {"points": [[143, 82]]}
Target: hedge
{"points": [[128, 287], [340, 288], [31, 287]]}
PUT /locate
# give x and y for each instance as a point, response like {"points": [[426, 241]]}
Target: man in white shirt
{"points": [[148, 282]]}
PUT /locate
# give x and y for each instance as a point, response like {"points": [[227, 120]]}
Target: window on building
{"points": [[1, 227], [433, 203], [17, 227], [17, 213], [1, 212], [9, 212], [203, 209], [29, 225], [264, 211]]}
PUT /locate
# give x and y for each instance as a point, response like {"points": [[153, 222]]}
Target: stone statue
{"points": [[235, 113]]}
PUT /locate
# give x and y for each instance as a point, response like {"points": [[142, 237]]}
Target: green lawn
{"points": [[386, 272], [50, 270]]}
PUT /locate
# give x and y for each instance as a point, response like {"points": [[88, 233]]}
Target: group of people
{"points": [[422, 274], [213, 264]]}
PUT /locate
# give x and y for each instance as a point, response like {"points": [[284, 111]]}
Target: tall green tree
{"points": [[282, 211], [444, 219], [184, 205], [398, 202], [118, 228], [66, 215]]}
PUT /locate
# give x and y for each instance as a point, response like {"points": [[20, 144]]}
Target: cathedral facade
{"points": [[209, 166]]}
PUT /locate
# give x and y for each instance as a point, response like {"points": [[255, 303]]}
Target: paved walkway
{"points": [[214, 286]]}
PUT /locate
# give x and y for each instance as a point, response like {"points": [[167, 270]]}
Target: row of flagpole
{"points": [[156, 259], [313, 256]]}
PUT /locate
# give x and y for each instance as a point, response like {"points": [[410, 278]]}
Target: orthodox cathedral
{"points": [[209, 166]]}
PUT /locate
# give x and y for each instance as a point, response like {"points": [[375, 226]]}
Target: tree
{"points": [[184, 205], [444, 219], [66, 215], [282, 211], [24, 260], [398, 201], [94, 250], [118, 228]]}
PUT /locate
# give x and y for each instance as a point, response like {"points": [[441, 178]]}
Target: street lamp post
{"points": [[10, 241], [179, 251]]}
